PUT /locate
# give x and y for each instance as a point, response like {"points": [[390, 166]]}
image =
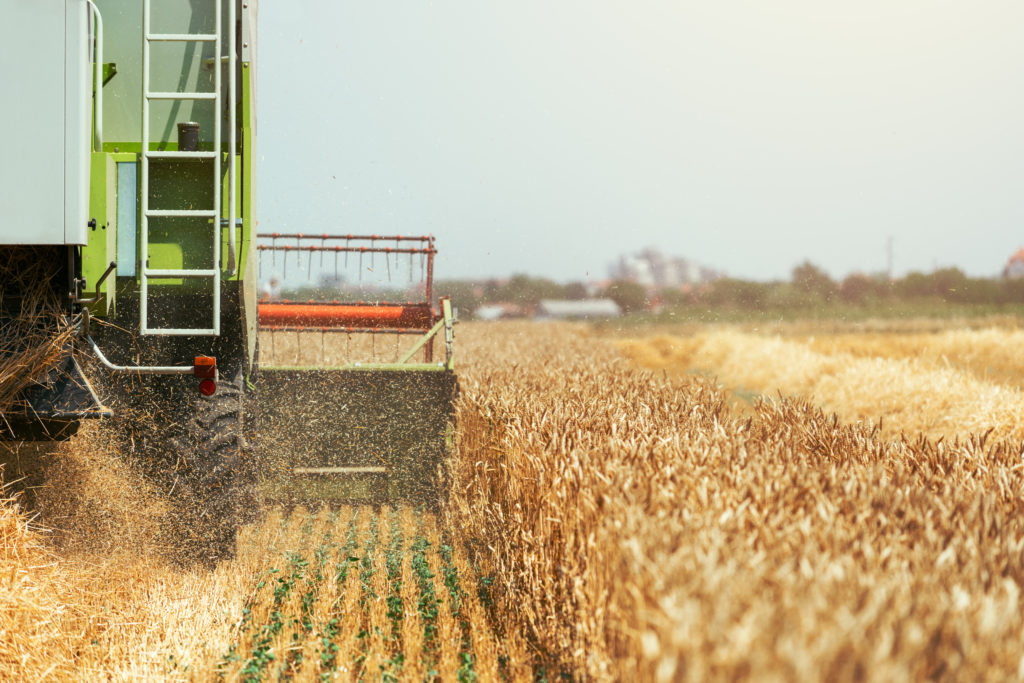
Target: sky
{"points": [[550, 136]]}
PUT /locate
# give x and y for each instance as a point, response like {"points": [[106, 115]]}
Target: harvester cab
{"points": [[131, 265]]}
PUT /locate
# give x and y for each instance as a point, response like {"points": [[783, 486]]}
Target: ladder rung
{"points": [[169, 273], [181, 155], [199, 331], [210, 61], [339, 470], [186, 37], [184, 213], [181, 95]]}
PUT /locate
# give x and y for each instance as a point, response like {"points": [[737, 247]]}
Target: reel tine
{"points": [[360, 266], [387, 262], [346, 254], [309, 265], [335, 267], [323, 244]]}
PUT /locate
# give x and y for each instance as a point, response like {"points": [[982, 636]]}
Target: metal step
{"points": [[182, 95], [340, 470], [182, 37], [181, 213], [169, 274], [180, 155]]}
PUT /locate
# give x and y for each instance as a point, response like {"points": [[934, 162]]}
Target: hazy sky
{"points": [[549, 136]]}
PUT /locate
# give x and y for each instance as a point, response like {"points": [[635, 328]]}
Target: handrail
{"points": [[422, 342], [339, 236], [143, 369], [349, 250], [99, 283], [98, 76], [449, 332], [233, 144]]}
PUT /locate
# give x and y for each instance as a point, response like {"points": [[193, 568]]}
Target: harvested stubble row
{"points": [[114, 615], [357, 593], [638, 529], [366, 595], [923, 392], [991, 354]]}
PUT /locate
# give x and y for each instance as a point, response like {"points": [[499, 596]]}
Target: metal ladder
{"points": [[212, 214]]}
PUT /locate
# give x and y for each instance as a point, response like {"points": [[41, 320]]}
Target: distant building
{"points": [[1015, 266], [654, 269], [583, 309], [499, 311]]}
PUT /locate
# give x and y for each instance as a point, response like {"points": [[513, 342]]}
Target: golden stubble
{"points": [[947, 384]]}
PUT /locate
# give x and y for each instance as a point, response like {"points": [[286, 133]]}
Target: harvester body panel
{"points": [[45, 118], [333, 435]]}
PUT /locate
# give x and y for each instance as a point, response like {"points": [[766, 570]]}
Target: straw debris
{"points": [[33, 330]]}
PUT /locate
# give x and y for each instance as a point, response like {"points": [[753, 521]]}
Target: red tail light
{"points": [[207, 387], [205, 367]]}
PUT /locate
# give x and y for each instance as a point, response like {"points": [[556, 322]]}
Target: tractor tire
{"points": [[221, 493]]}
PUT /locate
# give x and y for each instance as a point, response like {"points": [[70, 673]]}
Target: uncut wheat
{"points": [[637, 529]]}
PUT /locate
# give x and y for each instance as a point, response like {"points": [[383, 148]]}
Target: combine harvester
{"points": [[129, 257]]}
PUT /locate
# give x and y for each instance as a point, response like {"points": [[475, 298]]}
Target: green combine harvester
{"points": [[131, 278]]}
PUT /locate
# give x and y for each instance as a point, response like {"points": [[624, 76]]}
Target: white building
{"points": [[584, 309], [652, 268]]}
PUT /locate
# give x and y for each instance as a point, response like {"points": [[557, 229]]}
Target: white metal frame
{"points": [[233, 138], [97, 74], [214, 214]]}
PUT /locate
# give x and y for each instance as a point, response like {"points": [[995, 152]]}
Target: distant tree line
{"points": [[809, 287]]}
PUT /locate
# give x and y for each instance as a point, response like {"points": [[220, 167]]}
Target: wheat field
{"points": [[614, 514], [948, 384]]}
